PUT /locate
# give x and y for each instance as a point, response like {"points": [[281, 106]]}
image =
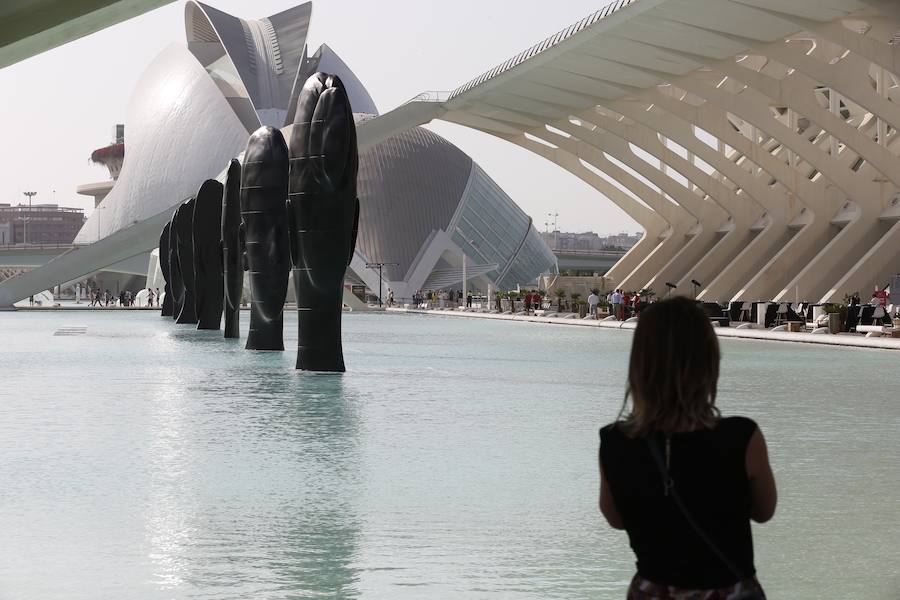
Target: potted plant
{"points": [[575, 297], [836, 323], [560, 294], [513, 296], [582, 307]]}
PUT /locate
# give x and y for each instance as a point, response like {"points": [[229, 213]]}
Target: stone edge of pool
{"points": [[725, 332]]}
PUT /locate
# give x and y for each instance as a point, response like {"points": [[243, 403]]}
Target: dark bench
{"points": [[715, 313]]}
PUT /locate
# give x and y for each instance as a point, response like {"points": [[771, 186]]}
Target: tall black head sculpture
{"points": [[164, 267], [184, 239], [324, 215], [208, 282], [232, 271], [176, 284], [263, 236]]}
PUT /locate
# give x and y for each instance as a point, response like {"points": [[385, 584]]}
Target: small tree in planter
{"points": [[582, 307], [513, 296], [498, 299], [542, 294], [560, 294], [646, 294], [575, 297], [841, 310]]}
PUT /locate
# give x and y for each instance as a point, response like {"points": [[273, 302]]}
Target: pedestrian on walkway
{"points": [[617, 304], [593, 301]]}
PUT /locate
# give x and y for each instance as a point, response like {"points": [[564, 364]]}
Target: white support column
{"points": [[833, 108], [881, 89]]}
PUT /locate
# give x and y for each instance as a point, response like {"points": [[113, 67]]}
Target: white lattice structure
{"points": [[755, 141]]}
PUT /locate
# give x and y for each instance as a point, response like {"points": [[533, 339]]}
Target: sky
{"points": [[61, 105]]}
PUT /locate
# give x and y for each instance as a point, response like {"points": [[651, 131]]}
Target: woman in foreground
{"points": [[683, 481]]}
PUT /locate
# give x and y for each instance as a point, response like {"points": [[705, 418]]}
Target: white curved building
{"points": [[424, 204], [755, 141], [194, 108]]}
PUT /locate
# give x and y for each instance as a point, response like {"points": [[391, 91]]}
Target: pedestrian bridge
{"points": [[18, 259], [595, 261]]}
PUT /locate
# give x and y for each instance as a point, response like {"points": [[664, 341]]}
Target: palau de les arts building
{"points": [[423, 202]]}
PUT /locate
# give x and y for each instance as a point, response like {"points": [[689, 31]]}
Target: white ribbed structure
{"points": [[755, 141]]}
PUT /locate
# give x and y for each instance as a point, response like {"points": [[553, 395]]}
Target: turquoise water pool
{"points": [[455, 459]]}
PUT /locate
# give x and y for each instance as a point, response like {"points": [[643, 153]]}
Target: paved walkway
{"points": [[853, 340]]}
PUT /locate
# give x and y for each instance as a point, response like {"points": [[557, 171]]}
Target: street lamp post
{"points": [[465, 279], [380, 266], [28, 218]]}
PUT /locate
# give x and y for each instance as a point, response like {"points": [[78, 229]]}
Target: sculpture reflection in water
{"points": [[177, 282], [164, 269], [208, 282], [232, 271], [263, 235], [324, 216], [184, 239]]}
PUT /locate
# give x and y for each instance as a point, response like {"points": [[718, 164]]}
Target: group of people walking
{"points": [[624, 305], [126, 298], [441, 298]]}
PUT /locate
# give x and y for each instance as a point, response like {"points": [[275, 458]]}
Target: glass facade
{"points": [[491, 229]]}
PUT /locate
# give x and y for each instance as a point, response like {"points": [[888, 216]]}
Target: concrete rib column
{"points": [[752, 106], [863, 230], [778, 206], [743, 213], [710, 216], [682, 225], [653, 224], [807, 202]]}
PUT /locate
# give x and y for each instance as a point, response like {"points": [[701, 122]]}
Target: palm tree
{"points": [[560, 294], [575, 297]]}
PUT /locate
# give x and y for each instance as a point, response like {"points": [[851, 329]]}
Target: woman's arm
{"points": [[607, 504], [763, 495]]}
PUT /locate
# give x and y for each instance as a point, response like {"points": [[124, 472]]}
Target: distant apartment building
{"points": [[560, 241], [39, 224], [622, 240]]}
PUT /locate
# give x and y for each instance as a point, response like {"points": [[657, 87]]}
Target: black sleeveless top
{"points": [[708, 468]]}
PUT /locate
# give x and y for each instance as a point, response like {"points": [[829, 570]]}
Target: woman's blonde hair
{"points": [[673, 370]]}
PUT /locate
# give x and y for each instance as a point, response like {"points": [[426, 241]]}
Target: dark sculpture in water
{"points": [[232, 270], [264, 236], [208, 282], [164, 268], [324, 215], [184, 238], [176, 283]]}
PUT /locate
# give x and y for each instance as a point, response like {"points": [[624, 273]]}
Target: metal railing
{"points": [[548, 43], [27, 247], [430, 96]]}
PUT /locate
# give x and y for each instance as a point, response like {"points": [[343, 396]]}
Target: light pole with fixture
{"points": [[28, 218], [380, 266]]}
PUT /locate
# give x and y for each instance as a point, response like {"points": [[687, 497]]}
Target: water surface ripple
{"points": [[455, 459]]}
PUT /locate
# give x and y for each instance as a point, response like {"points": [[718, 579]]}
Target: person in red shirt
{"points": [[881, 296]]}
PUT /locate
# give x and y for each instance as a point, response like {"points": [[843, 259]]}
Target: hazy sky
{"points": [[59, 106]]}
